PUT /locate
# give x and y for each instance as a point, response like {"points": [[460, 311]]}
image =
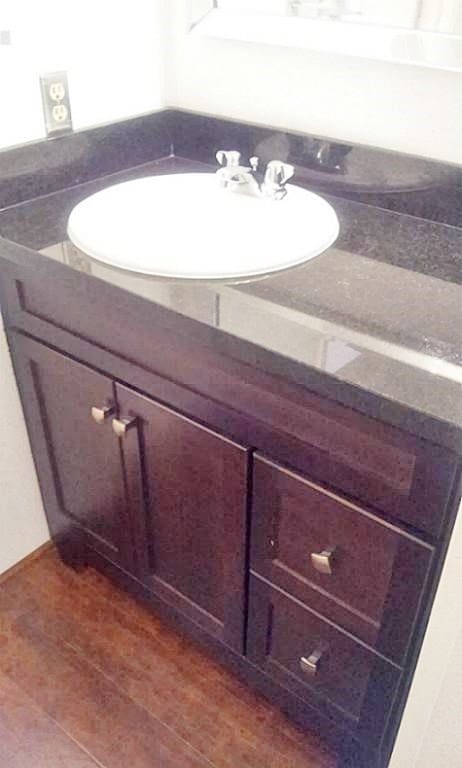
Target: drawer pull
{"points": [[122, 426], [324, 561], [101, 415], [310, 665]]}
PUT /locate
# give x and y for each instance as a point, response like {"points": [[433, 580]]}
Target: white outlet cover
{"points": [[56, 103]]}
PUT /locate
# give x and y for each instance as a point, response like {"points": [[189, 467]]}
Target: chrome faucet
{"points": [[248, 179]]}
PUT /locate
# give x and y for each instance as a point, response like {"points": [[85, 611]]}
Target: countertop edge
{"points": [[376, 406]]}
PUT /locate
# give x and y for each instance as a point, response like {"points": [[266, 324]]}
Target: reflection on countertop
{"points": [[363, 321]]}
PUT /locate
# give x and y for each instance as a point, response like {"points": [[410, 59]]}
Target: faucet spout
{"points": [[238, 179]]}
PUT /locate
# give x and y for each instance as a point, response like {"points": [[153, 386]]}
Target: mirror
{"points": [[433, 15], [418, 32]]}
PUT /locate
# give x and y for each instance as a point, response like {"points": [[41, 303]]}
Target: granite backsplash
{"points": [[405, 184]]}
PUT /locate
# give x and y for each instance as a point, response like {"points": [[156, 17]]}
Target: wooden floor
{"points": [[90, 678]]}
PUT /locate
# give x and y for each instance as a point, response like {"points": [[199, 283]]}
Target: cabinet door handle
{"points": [[101, 415], [323, 561], [122, 426], [310, 665]]}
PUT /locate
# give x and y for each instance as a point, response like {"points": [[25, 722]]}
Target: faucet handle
{"points": [[254, 162], [228, 158], [279, 173]]}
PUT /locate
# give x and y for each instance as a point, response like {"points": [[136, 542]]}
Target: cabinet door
{"points": [[78, 460], [190, 495]]}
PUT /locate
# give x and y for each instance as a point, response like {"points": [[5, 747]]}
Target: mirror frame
{"points": [[198, 10], [421, 48]]}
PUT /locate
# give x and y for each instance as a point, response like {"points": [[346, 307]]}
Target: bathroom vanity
{"points": [[274, 466]]}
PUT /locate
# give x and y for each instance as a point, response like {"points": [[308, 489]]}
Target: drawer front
{"points": [[392, 471], [357, 570], [319, 663]]}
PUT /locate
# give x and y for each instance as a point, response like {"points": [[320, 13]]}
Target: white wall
{"points": [[378, 103], [443, 738], [431, 731], [22, 520], [113, 51]]}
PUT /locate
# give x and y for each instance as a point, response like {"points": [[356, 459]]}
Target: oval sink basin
{"points": [[187, 226]]}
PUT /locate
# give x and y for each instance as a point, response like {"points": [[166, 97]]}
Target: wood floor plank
{"points": [[218, 714], [258, 715], [31, 739], [85, 704], [160, 672]]}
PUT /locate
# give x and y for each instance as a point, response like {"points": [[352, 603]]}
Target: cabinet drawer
{"points": [[372, 581], [319, 663]]}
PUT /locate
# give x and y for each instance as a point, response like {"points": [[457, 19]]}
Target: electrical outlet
{"points": [[56, 103]]}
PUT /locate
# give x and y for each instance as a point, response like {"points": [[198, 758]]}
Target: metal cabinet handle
{"points": [[323, 561], [101, 415], [310, 665], [122, 426]]}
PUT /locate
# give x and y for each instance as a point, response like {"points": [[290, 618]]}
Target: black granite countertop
{"points": [[380, 311]]}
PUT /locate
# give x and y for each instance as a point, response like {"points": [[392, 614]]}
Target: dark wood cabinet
{"points": [[299, 540], [188, 490], [397, 473], [78, 460]]}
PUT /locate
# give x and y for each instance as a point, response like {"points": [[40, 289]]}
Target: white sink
{"points": [[187, 226]]}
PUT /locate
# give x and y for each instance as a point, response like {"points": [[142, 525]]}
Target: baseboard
{"points": [[26, 561]]}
